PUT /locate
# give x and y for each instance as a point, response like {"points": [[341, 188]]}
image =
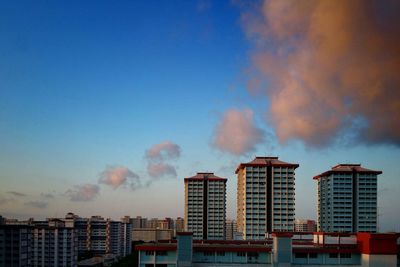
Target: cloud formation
{"points": [[5, 200], [157, 170], [85, 192], [329, 68], [237, 132], [16, 194], [119, 175], [163, 151], [37, 204], [47, 195]]}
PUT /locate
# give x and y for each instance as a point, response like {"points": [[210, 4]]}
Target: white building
{"points": [[347, 199], [205, 206], [265, 197]]}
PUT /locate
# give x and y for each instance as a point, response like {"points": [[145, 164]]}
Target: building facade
{"points": [[54, 245], [205, 206], [283, 249], [265, 197], [304, 225], [347, 199], [102, 236], [16, 245], [231, 230]]}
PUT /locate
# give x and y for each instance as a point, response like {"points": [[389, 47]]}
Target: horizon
{"points": [[105, 108]]}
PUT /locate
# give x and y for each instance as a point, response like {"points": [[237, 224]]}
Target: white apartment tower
{"points": [[205, 206], [265, 197], [347, 199]]}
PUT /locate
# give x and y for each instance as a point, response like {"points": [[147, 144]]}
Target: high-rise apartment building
{"points": [[205, 206], [102, 236], [138, 222], [16, 245], [265, 197], [54, 244], [347, 199]]}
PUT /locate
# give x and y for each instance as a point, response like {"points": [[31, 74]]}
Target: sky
{"points": [[106, 106]]}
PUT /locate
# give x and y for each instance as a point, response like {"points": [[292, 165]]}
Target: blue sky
{"points": [[86, 86]]}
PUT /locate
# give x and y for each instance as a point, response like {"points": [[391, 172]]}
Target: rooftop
{"points": [[266, 161], [205, 176], [347, 168]]}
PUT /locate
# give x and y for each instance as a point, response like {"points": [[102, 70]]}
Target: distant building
{"points": [[151, 235], [304, 225], [265, 197], [102, 236], [152, 223], [205, 206], [230, 230], [179, 224], [138, 222], [347, 199]]}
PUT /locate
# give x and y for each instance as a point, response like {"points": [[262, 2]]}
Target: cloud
{"points": [[47, 195], [119, 175], [157, 170], [16, 194], [329, 68], [237, 132], [163, 151], [37, 204], [5, 200], [85, 192]]}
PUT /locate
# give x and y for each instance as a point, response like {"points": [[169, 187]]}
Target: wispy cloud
{"points": [[5, 200], [163, 151], [157, 170], [237, 132], [85, 192], [16, 194], [47, 195], [116, 176], [36, 204], [328, 68]]}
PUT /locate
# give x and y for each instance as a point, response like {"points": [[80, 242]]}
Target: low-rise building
{"points": [[283, 249]]}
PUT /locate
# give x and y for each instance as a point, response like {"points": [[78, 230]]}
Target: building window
{"points": [[313, 255], [252, 254], [333, 255], [208, 253], [221, 253], [161, 253], [148, 252], [241, 254], [300, 255], [345, 255]]}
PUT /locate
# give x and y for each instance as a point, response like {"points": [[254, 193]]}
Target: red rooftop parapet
{"points": [[377, 244]]}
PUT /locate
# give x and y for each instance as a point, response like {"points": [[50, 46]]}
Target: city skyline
{"points": [[106, 108]]}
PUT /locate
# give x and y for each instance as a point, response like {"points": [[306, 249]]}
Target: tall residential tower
{"points": [[265, 197], [205, 206], [347, 199]]}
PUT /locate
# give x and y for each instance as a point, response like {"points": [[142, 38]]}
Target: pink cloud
{"points": [[163, 151], [157, 170], [85, 192], [237, 132], [117, 176], [332, 68]]}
